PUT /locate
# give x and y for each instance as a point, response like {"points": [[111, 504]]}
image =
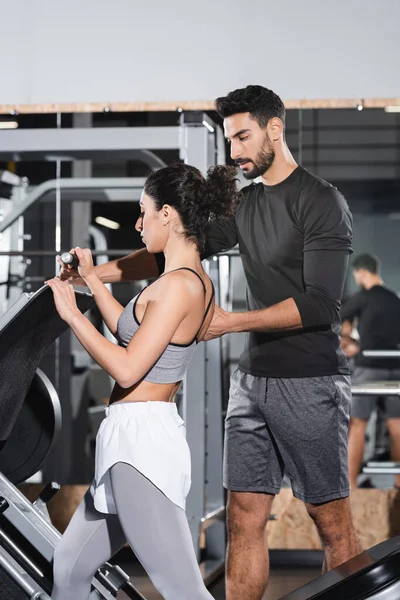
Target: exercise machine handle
{"points": [[70, 259]]}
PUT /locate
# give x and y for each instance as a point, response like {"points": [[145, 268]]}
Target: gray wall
{"points": [[91, 51]]}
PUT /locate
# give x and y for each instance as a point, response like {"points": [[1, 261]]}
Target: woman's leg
{"points": [[158, 532], [90, 539]]}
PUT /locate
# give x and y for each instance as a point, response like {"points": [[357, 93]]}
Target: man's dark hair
{"points": [[263, 104], [369, 262]]}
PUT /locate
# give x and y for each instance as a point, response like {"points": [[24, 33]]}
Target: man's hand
{"points": [[219, 324], [350, 347]]}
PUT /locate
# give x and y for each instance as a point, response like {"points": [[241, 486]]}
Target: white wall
{"points": [[60, 51]]}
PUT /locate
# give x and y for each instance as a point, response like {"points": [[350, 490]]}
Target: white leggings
{"points": [[156, 529]]}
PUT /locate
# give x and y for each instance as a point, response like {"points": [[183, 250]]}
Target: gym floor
{"points": [[282, 581]]}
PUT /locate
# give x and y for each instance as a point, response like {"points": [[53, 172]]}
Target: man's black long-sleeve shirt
{"points": [[294, 240]]}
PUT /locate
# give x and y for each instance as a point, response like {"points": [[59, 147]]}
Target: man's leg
{"points": [[253, 475], [335, 527], [309, 419], [356, 448], [247, 567], [393, 426]]}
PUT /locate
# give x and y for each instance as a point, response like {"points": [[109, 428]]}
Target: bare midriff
{"points": [[144, 391]]}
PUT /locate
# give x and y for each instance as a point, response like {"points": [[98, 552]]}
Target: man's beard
{"points": [[262, 163]]}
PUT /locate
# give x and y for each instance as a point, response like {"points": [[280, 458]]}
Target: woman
{"points": [[142, 471]]}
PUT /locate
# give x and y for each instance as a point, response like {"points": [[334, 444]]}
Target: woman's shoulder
{"points": [[180, 282]]}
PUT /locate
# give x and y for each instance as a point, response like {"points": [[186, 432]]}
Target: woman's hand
{"points": [[84, 271], [68, 272], [86, 266], [64, 299]]}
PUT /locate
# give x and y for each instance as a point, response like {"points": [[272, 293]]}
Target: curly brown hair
{"points": [[196, 198]]}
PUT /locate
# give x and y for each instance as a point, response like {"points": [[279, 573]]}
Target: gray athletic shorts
{"points": [[362, 406], [296, 426]]}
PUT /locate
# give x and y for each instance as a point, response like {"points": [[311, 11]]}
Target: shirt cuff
{"points": [[306, 310]]}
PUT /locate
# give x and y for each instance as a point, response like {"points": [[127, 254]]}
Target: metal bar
{"points": [[300, 146], [194, 414], [29, 522], [23, 580], [6, 541], [218, 513], [386, 464], [344, 146], [347, 128], [122, 252], [110, 252], [200, 402], [94, 410], [376, 390], [212, 517], [381, 353], [118, 252], [85, 139], [381, 470], [95, 183], [357, 163]]}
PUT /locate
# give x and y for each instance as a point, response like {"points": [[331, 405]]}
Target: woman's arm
{"points": [[171, 303], [108, 306]]}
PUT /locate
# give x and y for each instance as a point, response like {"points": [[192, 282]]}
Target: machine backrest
{"points": [[26, 332]]}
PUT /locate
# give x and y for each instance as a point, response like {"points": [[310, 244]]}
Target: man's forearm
{"points": [[280, 317], [138, 265]]}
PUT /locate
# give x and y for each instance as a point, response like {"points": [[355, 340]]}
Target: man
{"points": [[289, 399], [377, 312]]}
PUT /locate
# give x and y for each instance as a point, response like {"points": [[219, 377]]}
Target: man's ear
{"points": [[275, 129]]}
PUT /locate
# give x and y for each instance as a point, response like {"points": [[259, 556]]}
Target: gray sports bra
{"points": [[173, 362]]}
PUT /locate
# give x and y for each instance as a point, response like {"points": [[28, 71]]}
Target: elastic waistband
{"points": [[153, 406]]}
